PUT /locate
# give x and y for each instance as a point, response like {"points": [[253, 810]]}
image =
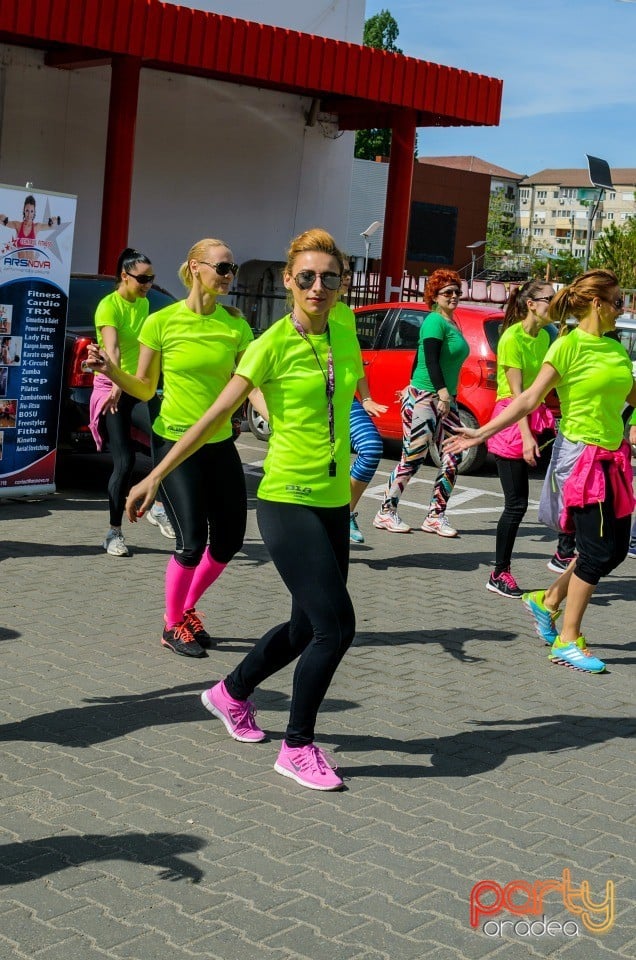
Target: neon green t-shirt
{"points": [[283, 365], [518, 349], [128, 318], [596, 377], [453, 352], [198, 357], [341, 313]]}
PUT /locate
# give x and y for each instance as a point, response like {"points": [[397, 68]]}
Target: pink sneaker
{"points": [[237, 715], [309, 766]]}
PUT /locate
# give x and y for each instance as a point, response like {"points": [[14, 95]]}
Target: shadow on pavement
{"points": [[22, 862], [452, 641], [108, 718], [472, 752]]}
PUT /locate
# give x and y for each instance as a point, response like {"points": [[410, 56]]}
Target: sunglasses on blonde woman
{"points": [[223, 268]]}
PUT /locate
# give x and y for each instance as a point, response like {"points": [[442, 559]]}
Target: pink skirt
{"points": [[508, 442]]}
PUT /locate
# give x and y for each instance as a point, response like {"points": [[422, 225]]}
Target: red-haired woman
{"points": [[429, 408]]}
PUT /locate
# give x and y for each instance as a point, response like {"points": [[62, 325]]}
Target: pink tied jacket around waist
{"points": [[586, 483]]}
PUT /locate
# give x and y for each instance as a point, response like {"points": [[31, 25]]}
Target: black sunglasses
{"points": [[223, 268], [141, 278], [449, 293], [544, 299], [618, 303], [305, 279]]}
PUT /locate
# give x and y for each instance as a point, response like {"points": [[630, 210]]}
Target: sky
{"points": [[568, 68]]}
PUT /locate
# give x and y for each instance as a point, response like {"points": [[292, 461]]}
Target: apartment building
{"points": [[553, 209]]}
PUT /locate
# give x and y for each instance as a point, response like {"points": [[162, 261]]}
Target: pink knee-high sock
{"points": [[178, 580], [205, 574]]}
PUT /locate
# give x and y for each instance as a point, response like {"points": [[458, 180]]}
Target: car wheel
{"points": [[474, 458], [257, 424]]}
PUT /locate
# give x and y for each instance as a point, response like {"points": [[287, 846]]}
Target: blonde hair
{"points": [[197, 252], [575, 299], [315, 240]]}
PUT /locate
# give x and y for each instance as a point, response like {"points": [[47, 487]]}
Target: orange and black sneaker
{"points": [[201, 635], [180, 639]]}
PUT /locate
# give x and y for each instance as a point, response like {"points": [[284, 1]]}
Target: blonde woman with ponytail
{"points": [[588, 486], [195, 345]]}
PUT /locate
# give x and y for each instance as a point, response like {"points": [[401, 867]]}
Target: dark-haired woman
{"points": [[118, 321], [588, 486], [429, 408], [520, 353]]}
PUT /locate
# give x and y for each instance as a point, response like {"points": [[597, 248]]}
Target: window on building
{"points": [[542, 194]]}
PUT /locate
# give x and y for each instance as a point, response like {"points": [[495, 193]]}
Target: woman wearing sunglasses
{"points": [[588, 486], [520, 353], [194, 345], [429, 408], [308, 369], [118, 321]]}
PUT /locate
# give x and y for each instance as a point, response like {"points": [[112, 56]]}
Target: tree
{"points": [[380, 32], [615, 250], [500, 227]]}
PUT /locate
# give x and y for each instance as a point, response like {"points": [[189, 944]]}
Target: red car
{"points": [[389, 334]]}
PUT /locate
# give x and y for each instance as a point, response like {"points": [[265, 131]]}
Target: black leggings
{"points": [[205, 499], [130, 411], [310, 549], [602, 540], [513, 476]]}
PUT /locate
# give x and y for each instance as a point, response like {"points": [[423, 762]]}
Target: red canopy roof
{"points": [[365, 87]]}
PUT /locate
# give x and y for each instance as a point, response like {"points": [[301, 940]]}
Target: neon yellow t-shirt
{"points": [[518, 349], [341, 313], [198, 357], [128, 318], [596, 377], [283, 365], [453, 352]]}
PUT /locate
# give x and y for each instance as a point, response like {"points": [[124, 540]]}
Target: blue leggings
{"points": [[366, 442]]}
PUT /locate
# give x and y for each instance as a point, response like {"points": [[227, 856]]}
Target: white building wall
{"points": [[211, 159], [339, 19], [368, 202]]}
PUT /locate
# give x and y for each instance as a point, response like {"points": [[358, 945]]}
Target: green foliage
{"points": [[563, 269], [615, 250], [380, 31], [500, 227]]}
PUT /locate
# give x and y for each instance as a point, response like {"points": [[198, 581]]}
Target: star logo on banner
{"points": [[53, 233]]}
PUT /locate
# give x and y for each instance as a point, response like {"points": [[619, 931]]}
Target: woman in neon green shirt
{"points": [[308, 370], [195, 345], [590, 475]]}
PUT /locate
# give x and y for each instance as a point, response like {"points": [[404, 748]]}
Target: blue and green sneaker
{"points": [[576, 655], [544, 619]]}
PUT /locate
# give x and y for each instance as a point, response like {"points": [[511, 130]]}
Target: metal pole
{"points": [[591, 213], [472, 268]]}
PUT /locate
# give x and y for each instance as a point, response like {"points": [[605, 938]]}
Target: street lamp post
{"points": [[366, 235], [474, 247], [600, 177]]}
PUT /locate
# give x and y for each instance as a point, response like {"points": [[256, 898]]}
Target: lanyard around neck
{"points": [[330, 387]]}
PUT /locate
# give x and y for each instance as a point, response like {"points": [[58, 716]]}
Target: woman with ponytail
{"points": [[195, 344], [118, 321], [588, 486], [521, 350]]}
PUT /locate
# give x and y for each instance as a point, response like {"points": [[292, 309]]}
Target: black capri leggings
{"points": [[322, 622], [122, 448], [601, 539], [206, 501]]}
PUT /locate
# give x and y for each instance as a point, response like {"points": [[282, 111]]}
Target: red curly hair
{"points": [[437, 281]]}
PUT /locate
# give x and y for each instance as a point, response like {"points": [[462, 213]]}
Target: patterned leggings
{"points": [[422, 424], [367, 443]]}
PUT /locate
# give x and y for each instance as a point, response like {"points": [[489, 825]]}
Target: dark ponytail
{"points": [[127, 260]]}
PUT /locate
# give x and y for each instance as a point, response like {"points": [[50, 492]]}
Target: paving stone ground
{"points": [[133, 828]]}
